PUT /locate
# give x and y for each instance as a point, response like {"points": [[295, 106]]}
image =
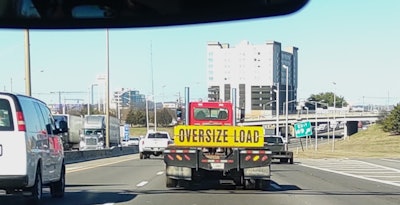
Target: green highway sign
{"points": [[303, 129]]}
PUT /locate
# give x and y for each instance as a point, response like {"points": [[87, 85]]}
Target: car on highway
{"points": [[132, 141], [31, 150], [154, 143], [276, 144]]}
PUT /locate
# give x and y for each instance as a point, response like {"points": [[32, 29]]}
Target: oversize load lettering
{"points": [[218, 136]]}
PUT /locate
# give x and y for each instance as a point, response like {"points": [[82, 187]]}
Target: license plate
{"points": [[217, 166]]}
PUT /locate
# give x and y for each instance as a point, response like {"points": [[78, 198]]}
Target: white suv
{"points": [[31, 151]]}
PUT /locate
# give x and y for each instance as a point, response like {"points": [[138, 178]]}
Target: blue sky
{"points": [[352, 43]]}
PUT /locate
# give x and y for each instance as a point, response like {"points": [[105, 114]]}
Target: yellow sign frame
{"points": [[218, 136]]}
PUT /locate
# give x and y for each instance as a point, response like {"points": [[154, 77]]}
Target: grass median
{"points": [[369, 143]]}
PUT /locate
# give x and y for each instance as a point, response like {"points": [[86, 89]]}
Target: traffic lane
{"points": [[119, 180], [111, 180], [291, 184]]}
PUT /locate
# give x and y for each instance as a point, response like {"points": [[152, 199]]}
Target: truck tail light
{"points": [[21, 121]]}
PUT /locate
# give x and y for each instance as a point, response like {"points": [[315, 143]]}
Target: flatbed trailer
{"points": [[212, 146]]}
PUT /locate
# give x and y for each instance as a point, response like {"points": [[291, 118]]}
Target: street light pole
{"points": [[277, 109], [28, 88], [91, 97], [287, 106], [107, 92], [334, 116], [147, 113], [316, 127]]}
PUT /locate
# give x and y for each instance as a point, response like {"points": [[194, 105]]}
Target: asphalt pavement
{"points": [[129, 180]]}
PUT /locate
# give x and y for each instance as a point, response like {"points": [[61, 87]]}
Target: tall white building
{"points": [[255, 71]]}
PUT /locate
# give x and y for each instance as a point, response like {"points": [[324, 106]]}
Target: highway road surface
{"points": [[128, 180]]}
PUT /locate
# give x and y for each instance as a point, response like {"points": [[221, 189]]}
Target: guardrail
{"points": [[87, 155], [338, 114]]}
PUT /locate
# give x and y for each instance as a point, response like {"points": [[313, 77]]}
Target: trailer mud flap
{"points": [[257, 172], [179, 172]]}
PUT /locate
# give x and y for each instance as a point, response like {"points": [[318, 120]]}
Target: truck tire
{"points": [[37, 189], [141, 156], [248, 185], [263, 184], [170, 183], [57, 188], [291, 160]]}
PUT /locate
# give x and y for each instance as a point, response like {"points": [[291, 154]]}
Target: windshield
{"points": [[325, 79], [157, 136], [210, 114], [273, 140]]}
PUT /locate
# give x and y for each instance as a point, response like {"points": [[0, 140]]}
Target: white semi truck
{"points": [[94, 132], [72, 138]]}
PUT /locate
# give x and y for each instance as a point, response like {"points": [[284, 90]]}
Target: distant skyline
{"points": [[354, 44]]}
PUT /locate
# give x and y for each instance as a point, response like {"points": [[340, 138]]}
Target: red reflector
{"points": [[248, 157], [265, 157], [21, 122], [170, 157], [186, 157]]}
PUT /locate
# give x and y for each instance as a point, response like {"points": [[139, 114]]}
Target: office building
{"points": [[257, 72]]}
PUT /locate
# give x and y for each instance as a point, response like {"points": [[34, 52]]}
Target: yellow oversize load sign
{"points": [[218, 136]]}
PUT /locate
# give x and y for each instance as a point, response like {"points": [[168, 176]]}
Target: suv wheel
{"points": [[37, 189], [57, 188]]}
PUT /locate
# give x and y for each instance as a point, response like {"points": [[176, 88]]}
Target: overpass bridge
{"points": [[350, 119]]}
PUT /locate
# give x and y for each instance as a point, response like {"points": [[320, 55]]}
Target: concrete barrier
{"points": [[81, 156]]}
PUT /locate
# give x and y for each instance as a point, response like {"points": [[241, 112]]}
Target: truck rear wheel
{"points": [[263, 184], [141, 156], [170, 183], [247, 184]]}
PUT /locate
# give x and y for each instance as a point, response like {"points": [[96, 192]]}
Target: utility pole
{"points": [[28, 88], [277, 108], [107, 108]]}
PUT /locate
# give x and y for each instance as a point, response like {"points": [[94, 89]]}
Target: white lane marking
{"points": [[160, 173], [352, 175], [275, 186], [108, 204], [380, 166], [142, 183], [77, 169], [391, 160]]}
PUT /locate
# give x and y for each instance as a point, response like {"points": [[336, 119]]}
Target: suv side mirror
{"points": [[63, 126]]}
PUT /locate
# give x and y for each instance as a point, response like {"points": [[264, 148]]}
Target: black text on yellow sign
{"points": [[218, 136]]}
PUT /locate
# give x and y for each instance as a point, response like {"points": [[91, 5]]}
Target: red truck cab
{"points": [[210, 113]]}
